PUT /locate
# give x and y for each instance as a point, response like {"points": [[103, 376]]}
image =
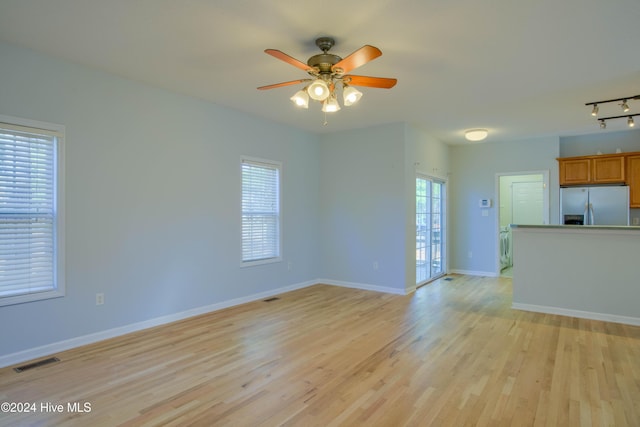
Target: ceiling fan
{"points": [[327, 71]]}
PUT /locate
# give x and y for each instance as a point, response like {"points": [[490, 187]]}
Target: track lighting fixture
{"points": [[629, 117], [625, 108]]}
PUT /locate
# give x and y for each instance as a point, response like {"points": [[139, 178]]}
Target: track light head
{"points": [[603, 124], [630, 122], [624, 105], [594, 111]]}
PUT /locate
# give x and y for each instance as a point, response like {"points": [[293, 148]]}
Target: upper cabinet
{"points": [[621, 168], [603, 169], [575, 171], [633, 179], [608, 169]]}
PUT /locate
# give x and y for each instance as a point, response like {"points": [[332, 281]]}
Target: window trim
{"points": [[58, 131], [278, 166]]}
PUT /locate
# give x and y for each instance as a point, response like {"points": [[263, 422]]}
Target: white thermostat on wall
{"points": [[485, 203]]}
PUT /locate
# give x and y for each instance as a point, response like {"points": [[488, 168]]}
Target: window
{"points": [[260, 211], [31, 250]]}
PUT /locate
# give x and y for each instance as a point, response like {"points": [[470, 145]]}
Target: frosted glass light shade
{"points": [[330, 105], [351, 95], [318, 90], [301, 99]]}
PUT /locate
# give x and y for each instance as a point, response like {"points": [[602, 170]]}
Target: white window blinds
{"points": [[27, 212], [260, 211]]}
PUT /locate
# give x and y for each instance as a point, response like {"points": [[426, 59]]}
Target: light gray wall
{"points": [[427, 156], [605, 142], [363, 206], [473, 177], [152, 199]]}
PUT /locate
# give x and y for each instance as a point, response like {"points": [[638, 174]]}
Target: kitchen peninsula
{"points": [[582, 271]]}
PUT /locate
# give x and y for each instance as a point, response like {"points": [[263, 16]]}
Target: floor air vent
{"points": [[448, 279], [271, 299], [36, 364]]}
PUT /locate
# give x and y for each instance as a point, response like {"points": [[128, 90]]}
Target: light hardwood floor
{"points": [[452, 354]]}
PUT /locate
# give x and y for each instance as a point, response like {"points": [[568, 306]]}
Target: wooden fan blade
{"points": [[358, 58], [379, 82], [292, 82], [288, 59]]}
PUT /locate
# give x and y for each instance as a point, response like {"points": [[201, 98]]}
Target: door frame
{"points": [[545, 205]]}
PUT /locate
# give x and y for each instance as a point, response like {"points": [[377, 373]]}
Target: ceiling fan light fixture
{"points": [[476, 134], [301, 99], [350, 95], [319, 90], [330, 105]]}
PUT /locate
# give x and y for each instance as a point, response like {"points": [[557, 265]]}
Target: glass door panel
{"points": [[429, 229]]}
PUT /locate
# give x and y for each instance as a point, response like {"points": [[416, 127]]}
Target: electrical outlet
{"points": [[290, 266], [99, 299], [375, 265]]}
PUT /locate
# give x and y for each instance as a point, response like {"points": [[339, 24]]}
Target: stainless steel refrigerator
{"points": [[595, 205]]}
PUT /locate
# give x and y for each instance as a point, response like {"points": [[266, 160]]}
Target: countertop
{"points": [[578, 227]]}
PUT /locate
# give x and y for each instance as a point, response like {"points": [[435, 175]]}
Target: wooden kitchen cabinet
{"points": [[575, 171], [608, 169], [633, 179], [603, 169]]}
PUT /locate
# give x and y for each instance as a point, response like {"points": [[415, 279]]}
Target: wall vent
{"points": [[271, 299], [36, 364]]}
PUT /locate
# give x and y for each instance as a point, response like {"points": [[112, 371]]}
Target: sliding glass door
{"points": [[430, 229]]}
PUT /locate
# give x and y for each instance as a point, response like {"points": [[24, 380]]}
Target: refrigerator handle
{"points": [[592, 215], [585, 214]]}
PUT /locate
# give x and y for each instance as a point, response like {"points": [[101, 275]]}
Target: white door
{"points": [[528, 203], [430, 229]]}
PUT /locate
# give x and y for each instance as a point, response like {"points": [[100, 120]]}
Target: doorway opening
{"points": [[430, 229], [523, 198]]}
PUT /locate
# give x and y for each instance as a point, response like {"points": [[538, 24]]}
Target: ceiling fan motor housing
{"points": [[324, 61]]}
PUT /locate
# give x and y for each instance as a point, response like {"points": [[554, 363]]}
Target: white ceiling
{"points": [[518, 68]]}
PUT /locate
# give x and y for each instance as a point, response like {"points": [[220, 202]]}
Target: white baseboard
{"points": [[577, 313], [45, 350], [475, 273], [366, 287]]}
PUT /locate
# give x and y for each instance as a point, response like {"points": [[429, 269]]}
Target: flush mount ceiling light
{"points": [[476, 134], [328, 73], [625, 108]]}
